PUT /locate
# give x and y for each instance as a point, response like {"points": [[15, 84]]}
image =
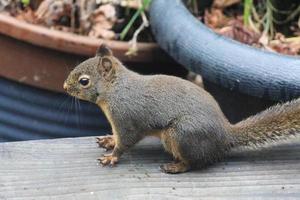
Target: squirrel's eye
{"points": [[84, 81]]}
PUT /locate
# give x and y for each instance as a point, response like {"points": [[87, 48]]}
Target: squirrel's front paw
{"points": [[106, 142], [108, 159]]}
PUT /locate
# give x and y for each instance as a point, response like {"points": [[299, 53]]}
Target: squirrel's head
{"points": [[90, 78]]}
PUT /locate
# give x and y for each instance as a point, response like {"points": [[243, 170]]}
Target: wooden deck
{"points": [[67, 169]]}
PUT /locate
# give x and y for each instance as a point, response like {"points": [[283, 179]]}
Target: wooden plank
{"points": [[67, 169]]}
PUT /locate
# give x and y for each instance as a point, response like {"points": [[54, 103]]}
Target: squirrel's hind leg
{"points": [[194, 143], [171, 145]]}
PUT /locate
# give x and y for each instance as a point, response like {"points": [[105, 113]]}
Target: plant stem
{"points": [[247, 11], [144, 6]]}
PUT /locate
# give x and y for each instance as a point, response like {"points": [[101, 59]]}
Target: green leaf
{"points": [[25, 2], [144, 6], [247, 11]]}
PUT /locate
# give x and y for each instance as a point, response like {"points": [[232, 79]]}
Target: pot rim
{"points": [[71, 43]]}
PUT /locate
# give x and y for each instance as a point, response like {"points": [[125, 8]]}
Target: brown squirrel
{"points": [[185, 117]]}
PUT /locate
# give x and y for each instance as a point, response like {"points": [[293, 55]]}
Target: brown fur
{"points": [[185, 117], [278, 122], [155, 133], [106, 110], [171, 145]]}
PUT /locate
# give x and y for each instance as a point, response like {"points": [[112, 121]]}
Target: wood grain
{"points": [[67, 169]]}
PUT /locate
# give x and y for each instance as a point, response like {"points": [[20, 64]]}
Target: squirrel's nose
{"points": [[65, 86]]}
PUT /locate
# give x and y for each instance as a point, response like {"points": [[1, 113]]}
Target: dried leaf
{"points": [[50, 11], [102, 21], [10, 6], [135, 4], [4, 4], [215, 18], [224, 3], [289, 46], [27, 15], [264, 39], [237, 31], [99, 32], [108, 10]]}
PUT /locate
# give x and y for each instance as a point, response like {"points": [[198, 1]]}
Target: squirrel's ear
{"points": [[105, 68], [103, 50]]}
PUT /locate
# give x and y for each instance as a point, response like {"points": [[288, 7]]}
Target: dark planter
{"points": [[28, 113], [222, 61], [243, 80]]}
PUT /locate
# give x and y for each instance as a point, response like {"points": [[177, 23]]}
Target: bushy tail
{"points": [[275, 123]]}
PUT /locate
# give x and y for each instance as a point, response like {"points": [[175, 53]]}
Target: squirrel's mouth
{"points": [[75, 94], [68, 89]]}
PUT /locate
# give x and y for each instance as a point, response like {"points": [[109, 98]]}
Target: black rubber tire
{"points": [[220, 60], [28, 113]]}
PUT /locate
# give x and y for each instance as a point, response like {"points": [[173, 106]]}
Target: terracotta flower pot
{"points": [[43, 57]]}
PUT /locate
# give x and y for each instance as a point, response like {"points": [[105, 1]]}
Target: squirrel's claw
{"points": [[108, 159], [106, 142]]}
